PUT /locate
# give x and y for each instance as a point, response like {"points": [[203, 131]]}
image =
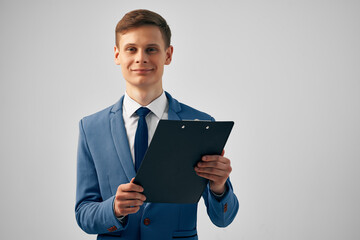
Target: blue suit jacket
{"points": [[104, 162]]}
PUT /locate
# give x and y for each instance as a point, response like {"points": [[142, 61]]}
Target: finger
{"points": [[130, 196], [131, 187], [211, 177], [132, 180], [211, 158], [214, 164], [133, 196], [130, 203], [212, 171], [223, 152]]}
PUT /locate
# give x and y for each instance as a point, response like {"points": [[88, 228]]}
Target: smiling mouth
{"points": [[142, 70]]}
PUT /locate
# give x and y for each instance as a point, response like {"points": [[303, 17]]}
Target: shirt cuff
{"points": [[219, 196], [122, 219]]}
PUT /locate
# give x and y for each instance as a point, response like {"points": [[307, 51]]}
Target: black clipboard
{"points": [[167, 171]]}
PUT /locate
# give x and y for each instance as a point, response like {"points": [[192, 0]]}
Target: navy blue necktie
{"points": [[141, 137]]}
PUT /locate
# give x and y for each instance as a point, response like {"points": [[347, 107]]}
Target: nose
{"points": [[141, 57]]}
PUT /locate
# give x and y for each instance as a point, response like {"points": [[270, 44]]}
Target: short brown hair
{"points": [[139, 18]]}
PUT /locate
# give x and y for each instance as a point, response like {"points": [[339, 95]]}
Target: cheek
{"points": [[124, 60], [124, 69], [124, 64], [160, 61]]}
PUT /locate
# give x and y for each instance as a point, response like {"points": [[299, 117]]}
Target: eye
{"points": [[130, 49], [151, 50]]}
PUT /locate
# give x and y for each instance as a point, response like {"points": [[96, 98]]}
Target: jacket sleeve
{"points": [[221, 211], [93, 214]]}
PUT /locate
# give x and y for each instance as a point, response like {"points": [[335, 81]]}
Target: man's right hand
{"points": [[128, 199]]}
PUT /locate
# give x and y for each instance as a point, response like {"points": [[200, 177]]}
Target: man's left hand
{"points": [[217, 169]]}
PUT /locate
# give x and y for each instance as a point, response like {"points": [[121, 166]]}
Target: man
{"points": [[108, 203]]}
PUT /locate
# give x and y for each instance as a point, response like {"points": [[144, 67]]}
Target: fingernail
{"points": [[204, 158]]}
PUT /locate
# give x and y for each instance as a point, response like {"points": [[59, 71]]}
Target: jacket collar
{"points": [[174, 105]]}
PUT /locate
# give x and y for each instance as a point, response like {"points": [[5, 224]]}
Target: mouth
{"points": [[142, 70]]}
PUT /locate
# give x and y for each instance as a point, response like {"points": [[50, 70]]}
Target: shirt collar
{"points": [[157, 106]]}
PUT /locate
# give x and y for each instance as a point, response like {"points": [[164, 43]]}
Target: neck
{"points": [[144, 96]]}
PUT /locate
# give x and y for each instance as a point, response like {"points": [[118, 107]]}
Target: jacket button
{"points": [[146, 221], [112, 229], [225, 207]]}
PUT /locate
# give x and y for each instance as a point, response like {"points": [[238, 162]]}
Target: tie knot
{"points": [[142, 112]]}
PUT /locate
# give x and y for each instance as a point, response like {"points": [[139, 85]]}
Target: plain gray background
{"points": [[287, 73]]}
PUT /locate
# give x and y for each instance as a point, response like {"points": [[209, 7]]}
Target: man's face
{"points": [[142, 56]]}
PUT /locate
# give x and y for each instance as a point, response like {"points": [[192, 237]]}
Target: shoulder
{"points": [[190, 113], [102, 117], [185, 112], [98, 116], [96, 120]]}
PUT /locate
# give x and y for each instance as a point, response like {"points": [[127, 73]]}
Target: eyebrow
{"points": [[148, 45]]}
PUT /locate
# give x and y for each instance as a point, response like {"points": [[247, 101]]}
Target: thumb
{"points": [[132, 180], [223, 152]]}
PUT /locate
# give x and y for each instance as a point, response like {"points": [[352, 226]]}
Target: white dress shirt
{"points": [[159, 110]]}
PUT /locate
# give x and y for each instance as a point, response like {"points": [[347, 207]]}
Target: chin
{"points": [[144, 83]]}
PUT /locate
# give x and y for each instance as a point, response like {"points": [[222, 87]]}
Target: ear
{"points": [[169, 53], [116, 55]]}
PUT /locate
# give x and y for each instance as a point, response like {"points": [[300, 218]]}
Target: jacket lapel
{"points": [[174, 108], [120, 139], [119, 135]]}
